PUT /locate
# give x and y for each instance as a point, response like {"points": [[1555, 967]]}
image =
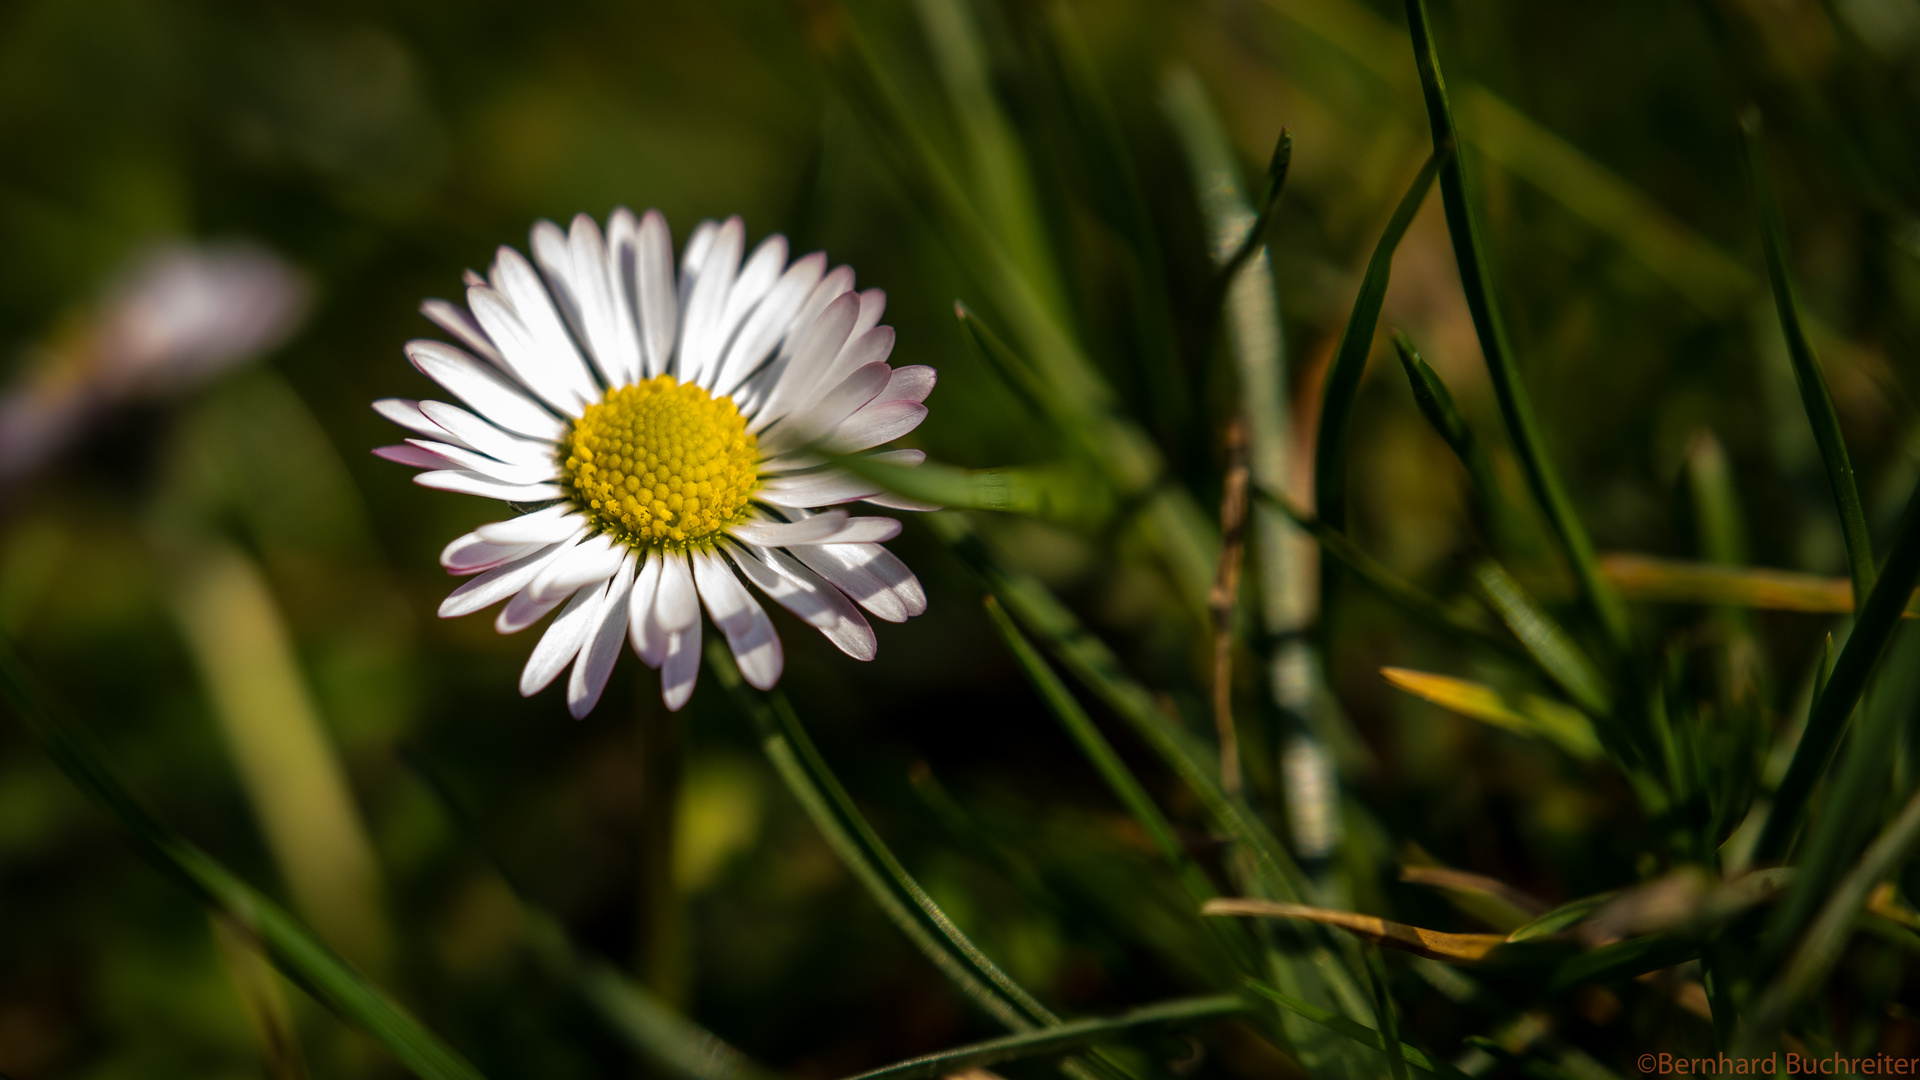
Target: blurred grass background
{"points": [[383, 148]]}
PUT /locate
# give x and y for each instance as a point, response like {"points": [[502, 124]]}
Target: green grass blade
{"points": [[1834, 703], [1436, 404], [1356, 342], [1622, 960], [1820, 947], [1476, 279], [1806, 368], [1551, 646], [1358, 1032], [1384, 1009], [1057, 494], [1105, 760], [846, 830], [1068, 1036], [293, 948]]}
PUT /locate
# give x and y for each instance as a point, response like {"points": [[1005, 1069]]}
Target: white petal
{"points": [[563, 639], [491, 394], [413, 457], [750, 634], [866, 530], [459, 322], [802, 592], [681, 667], [469, 430], [873, 304], [408, 414], [677, 606], [551, 369], [911, 383], [653, 291], [827, 411], [623, 238], [906, 457], [595, 559], [470, 554], [701, 335], [818, 346], [496, 585], [770, 322], [544, 526], [880, 422], [833, 286], [538, 473], [643, 630], [871, 575], [472, 483], [596, 659], [757, 278], [525, 609], [810, 530], [825, 488]]}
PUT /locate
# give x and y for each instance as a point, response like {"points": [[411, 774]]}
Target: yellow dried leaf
{"points": [[1528, 714], [1432, 944]]}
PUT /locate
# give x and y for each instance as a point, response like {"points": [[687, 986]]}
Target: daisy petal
{"points": [[850, 576], [643, 631], [653, 292], [677, 606], [825, 488], [562, 641], [413, 457], [544, 526], [623, 239], [810, 530], [491, 395], [497, 584], [537, 473], [602, 648], [701, 337], [409, 414], [469, 430], [770, 322], [818, 346], [802, 592], [551, 369], [681, 667], [470, 554], [472, 483], [826, 412], [750, 634], [880, 422], [594, 560], [457, 321], [525, 609], [911, 383]]}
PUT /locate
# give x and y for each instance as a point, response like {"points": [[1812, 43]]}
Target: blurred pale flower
{"points": [[174, 317], [667, 420]]}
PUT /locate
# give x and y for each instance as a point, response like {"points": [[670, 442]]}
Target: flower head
{"points": [[668, 422]]}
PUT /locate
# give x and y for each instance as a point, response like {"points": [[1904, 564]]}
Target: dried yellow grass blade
{"points": [[1676, 581], [1528, 714], [1432, 944]]}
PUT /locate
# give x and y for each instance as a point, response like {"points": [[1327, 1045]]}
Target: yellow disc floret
{"points": [[661, 464]]}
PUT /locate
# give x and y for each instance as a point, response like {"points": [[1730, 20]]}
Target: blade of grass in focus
{"points": [[1806, 368], [1071, 1035], [1436, 403], [847, 831], [1834, 702], [1476, 278], [1052, 493], [1356, 343], [301, 955]]}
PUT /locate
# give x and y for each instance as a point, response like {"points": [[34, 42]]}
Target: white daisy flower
{"points": [[665, 421]]}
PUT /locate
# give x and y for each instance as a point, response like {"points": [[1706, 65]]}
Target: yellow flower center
{"points": [[661, 464]]}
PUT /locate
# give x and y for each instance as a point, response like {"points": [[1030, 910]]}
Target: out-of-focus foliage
{"points": [[237, 598]]}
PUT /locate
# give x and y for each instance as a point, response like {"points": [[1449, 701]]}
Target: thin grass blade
{"points": [[1356, 342], [1806, 368], [1432, 944], [1476, 279], [1357, 1032], [1071, 1035], [1526, 714], [1833, 705], [1551, 646]]}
